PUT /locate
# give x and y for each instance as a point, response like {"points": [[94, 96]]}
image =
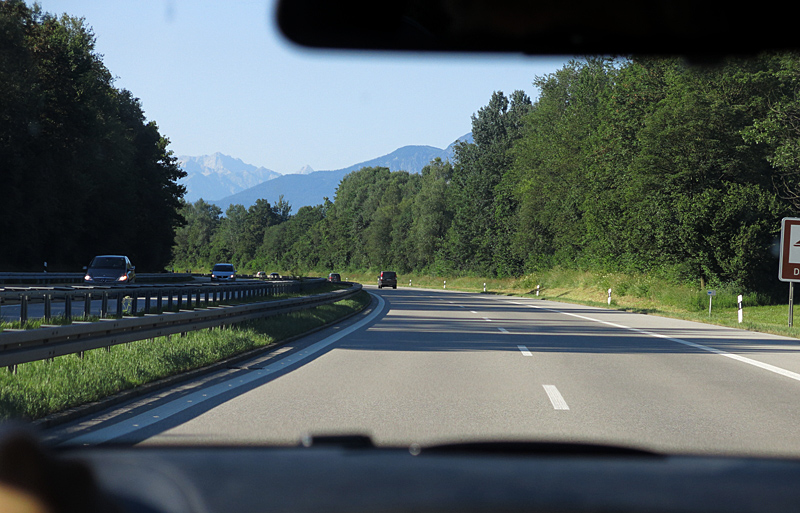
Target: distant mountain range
{"points": [[218, 175], [225, 180]]}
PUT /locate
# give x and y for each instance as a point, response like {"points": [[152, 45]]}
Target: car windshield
{"points": [[107, 263], [584, 248]]}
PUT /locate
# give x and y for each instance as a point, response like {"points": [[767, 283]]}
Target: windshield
{"points": [[584, 248], [107, 263]]}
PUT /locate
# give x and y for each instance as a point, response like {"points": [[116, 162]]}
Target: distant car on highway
{"points": [[334, 278], [110, 269], [387, 279], [260, 274], [223, 272], [274, 276]]}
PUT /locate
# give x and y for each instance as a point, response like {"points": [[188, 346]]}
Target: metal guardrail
{"points": [[153, 296], [22, 346], [9, 278]]}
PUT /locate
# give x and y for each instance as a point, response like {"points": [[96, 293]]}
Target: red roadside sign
{"points": [[789, 267]]}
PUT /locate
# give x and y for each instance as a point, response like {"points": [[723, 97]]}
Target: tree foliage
{"points": [[83, 171], [638, 164]]}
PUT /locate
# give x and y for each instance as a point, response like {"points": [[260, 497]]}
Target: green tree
{"points": [[475, 239], [79, 151]]}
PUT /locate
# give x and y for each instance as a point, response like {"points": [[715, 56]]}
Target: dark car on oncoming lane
{"points": [[110, 269]]}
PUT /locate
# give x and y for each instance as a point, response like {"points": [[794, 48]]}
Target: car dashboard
{"points": [[349, 474]]}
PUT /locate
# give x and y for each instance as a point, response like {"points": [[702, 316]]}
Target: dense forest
{"points": [[637, 165], [82, 172]]}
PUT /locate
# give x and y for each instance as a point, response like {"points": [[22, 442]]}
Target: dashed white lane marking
{"points": [[555, 397], [179, 405], [487, 319], [761, 365], [502, 330], [524, 351]]}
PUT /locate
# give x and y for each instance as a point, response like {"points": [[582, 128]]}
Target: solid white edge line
{"points": [[555, 397], [178, 405], [771, 368]]}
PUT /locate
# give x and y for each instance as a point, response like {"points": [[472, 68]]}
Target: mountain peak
{"points": [[218, 175], [305, 170]]}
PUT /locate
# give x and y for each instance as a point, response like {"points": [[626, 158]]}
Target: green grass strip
{"points": [[41, 388]]}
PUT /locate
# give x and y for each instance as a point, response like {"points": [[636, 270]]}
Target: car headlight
{"points": [[87, 278], [124, 277]]}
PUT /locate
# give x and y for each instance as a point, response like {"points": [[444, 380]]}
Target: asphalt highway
{"points": [[428, 367]]}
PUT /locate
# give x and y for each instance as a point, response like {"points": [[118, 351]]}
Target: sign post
{"points": [[789, 265], [711, 294]]}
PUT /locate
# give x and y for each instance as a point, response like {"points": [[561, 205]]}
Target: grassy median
{"points": [[41, 388]]}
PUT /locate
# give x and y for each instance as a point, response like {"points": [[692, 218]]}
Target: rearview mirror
{"points": [[569, 27]]}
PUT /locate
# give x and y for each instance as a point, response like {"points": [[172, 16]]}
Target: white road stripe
{"points": [[503, 330], [761, 365], [524, 351], [487, 319], [179, 405], [555, 397]]}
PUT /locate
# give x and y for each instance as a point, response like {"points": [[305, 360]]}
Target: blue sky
{"points": [[217, 76]]}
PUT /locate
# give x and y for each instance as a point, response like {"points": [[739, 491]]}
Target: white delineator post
{"points": [[609, 297], [739, 299]]}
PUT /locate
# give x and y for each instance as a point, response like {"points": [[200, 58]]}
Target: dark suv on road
{"points": [[387, 279]]}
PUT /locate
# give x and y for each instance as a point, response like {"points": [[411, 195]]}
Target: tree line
{"points": [[82, 171], [637, 165]]}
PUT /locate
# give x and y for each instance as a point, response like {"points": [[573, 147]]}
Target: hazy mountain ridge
{"points": [[305, 188]]}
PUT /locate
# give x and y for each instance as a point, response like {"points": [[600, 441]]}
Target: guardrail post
{"points": [[170, 293], [23, 308], [178, 299], [104, 304], [87, 305], [48, 306], [119, 304], [68, 307], [146, 301], [159, 300]]}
